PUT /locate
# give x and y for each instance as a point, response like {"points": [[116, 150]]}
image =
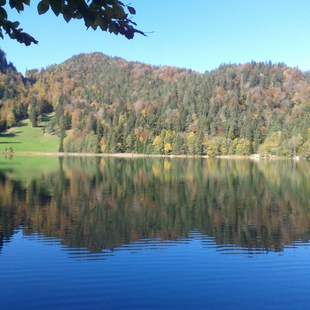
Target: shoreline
{"points": [[254, 157]]}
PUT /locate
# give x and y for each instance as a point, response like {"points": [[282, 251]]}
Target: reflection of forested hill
{"points": [[103, 204]]}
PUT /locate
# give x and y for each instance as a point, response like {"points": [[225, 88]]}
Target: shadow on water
{"points": [[102, 205]]}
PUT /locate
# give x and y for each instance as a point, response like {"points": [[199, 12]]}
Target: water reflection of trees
{"points": [[103, 204]]}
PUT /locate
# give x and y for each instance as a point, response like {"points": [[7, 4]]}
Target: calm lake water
{"points": [[154, 234]]}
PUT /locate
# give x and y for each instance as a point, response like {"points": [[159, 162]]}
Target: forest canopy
{"points": [[104, 104]]}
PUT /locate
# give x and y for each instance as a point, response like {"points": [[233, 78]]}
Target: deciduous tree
{"points": [[108, 15]]}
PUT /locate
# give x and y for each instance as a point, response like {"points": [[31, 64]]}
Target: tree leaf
{"points": [[131, 10], [3, 13], [56, 6], [43, 7], [15, 24]]}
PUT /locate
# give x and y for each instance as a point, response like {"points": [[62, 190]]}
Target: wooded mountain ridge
{"points": [[105, 104]]}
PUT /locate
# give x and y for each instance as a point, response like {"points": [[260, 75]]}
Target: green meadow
{"points": [[26, 138]]}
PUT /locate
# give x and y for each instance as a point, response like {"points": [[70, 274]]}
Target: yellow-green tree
{"points": [[272, 144], [243, 147], [157, 144], [167, 148]]}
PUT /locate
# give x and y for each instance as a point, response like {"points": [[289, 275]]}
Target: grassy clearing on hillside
{"points": [[25, 138]]}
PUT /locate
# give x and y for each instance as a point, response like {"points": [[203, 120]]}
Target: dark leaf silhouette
{"points": [[108, 15]]}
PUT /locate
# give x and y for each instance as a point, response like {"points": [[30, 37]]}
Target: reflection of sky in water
{"points": [[186, 274]]}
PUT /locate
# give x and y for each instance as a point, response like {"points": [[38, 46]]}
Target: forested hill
{"points": [[5, 66], [105, 104], [13, 90]]}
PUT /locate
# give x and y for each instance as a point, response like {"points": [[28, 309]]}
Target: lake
{"points": [[154, 234]]}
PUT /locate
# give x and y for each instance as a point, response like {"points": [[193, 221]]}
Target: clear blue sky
{"points": [[197, 34]]}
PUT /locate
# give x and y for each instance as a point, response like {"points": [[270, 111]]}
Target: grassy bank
{"points": [[26, 138]]}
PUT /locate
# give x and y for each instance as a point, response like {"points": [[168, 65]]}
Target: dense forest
{"points": [[105, 104]]}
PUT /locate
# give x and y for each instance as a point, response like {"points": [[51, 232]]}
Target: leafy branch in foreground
{"points": [[108, 15]]}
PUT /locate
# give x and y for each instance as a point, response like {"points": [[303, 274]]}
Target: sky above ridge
{"points": [[195, 34]]}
